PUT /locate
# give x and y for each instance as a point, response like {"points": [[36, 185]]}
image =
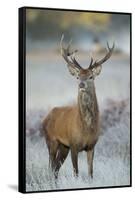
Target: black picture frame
{"points": [[22, 100]]}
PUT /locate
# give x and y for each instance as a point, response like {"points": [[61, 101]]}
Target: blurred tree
{"points": [[45, 23]]}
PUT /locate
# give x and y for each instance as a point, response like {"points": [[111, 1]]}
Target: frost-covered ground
{"points": [[112, 153]]}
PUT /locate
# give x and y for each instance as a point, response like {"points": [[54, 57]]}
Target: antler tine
{"points": [[69, 44], [76, 63], [91, 63], [107, 56], [61, 44], [112, 46], [66, 53], [68, 47]]}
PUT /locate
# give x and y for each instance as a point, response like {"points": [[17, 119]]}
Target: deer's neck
{"points": [[88, 107]]}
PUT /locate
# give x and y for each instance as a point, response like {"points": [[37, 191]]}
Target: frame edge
{"points": [[21, 103]]}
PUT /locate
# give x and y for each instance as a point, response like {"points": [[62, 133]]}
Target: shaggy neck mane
{"points": [[88, 107]]}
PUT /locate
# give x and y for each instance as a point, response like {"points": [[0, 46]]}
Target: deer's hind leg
{"points": [[60, 158], [53, 149]]}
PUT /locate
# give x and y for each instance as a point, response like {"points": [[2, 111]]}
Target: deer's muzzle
{"points": [[81, 85]]}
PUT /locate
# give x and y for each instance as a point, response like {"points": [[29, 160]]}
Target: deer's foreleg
{"points": [[74, 157], [90, 157]]}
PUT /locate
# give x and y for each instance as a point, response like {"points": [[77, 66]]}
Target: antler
{"points": [[107, 56], [65, 52]]}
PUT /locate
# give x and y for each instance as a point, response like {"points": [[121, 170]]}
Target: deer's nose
{"points": [[81, 85]]}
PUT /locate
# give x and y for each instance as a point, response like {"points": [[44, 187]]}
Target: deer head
{"points": [[83, 75]]}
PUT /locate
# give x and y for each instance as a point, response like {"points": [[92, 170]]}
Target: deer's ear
{"points": [[73, 71], [96, 71]]}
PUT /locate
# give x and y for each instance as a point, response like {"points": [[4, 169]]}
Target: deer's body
{"points": [[75, 125], [75, 128]]}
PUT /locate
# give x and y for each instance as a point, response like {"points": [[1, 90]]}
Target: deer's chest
{"points": [[87, 142]]}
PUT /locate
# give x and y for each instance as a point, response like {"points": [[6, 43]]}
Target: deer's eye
{"points": [[90, 77]]}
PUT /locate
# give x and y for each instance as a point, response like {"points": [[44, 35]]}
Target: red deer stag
{"points": [[75, 128]]}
